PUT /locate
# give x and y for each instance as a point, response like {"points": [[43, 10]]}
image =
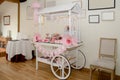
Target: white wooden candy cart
{"points": [[60, 57]]}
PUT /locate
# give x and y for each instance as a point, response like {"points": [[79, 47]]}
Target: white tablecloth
{"points": [[23, 47]]}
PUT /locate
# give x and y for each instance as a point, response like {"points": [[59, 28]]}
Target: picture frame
{"points": [[6, 20], [101, 4], [94, 18], [108, 16]]}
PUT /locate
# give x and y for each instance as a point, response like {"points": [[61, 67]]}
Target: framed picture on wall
{"points": [[100, 4], [94, 19], [108, 16], [6, 20]]}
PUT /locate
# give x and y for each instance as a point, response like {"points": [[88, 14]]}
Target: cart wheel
{"points": [[60, 67], [79, 60]]}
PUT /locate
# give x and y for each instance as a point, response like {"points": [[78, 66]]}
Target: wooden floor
{"points": [[26, 71]]}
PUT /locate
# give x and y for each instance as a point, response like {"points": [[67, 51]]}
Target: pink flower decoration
{"points": [[69, 40], [37, 38]]}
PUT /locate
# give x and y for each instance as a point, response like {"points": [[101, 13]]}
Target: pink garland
{"points": [[66, 41], [50, 53]]}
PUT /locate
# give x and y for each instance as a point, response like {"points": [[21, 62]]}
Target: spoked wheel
{"points": [[60, 67], [79, 60]]}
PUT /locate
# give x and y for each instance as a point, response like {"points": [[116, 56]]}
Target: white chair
{"points": [[107, 57]]}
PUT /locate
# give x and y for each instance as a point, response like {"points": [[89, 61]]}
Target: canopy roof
{"points": [[74, 7]]}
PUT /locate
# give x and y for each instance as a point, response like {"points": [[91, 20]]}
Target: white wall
{"points": [[59, 2], [13, 12], [90, 33], [27, 26]]}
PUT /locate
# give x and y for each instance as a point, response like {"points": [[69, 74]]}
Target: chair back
{"points": [[107, 48]]}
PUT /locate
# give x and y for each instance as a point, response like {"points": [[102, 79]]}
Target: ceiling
{"points": [[4, 6], [14, 1]]}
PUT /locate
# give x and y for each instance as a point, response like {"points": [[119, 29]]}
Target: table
{"points": [[16, 47]]}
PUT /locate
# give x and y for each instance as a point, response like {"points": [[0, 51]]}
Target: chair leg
{"points": [[99, 73], [112, 75], [91, 73]]}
